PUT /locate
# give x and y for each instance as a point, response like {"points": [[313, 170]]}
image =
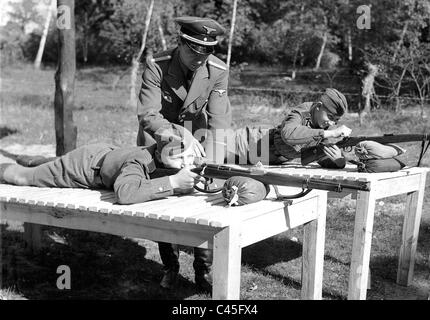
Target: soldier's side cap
{"points": [[202, 31], [334, 101]]}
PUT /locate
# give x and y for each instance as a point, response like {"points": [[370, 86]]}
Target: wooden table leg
{"points": [[411, 226], [313, 253], [226, 264], [33, 236], [363, 228]]}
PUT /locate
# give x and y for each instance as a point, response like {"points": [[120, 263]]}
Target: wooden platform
{"points": [[197, 220], [410, 181]]}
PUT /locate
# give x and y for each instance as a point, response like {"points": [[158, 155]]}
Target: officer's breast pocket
{"points": [[198, 106]]}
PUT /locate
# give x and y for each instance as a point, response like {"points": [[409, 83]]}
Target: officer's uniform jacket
{"points": [[164, 97]]}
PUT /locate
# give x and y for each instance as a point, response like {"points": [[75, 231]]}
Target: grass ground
{"points": [[110, 267]]}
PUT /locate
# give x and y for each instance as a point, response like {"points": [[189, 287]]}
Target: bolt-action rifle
{"points": [[316, 153], [214, 171]]}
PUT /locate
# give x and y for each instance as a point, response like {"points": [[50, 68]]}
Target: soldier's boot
{"points": [[33, 161], [202, 267], [169, 254]]}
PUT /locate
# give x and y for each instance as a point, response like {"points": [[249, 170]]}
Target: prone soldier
{"points": [[132, 172], [299, 129]]}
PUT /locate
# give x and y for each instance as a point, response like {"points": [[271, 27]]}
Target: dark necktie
{"points": [[189, 79]]}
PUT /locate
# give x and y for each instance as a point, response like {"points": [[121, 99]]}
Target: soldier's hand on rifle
{"points": [[342, 131], [333, 152], [184, 180]]}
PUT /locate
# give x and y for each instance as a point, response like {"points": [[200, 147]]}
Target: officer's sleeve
{"points": [[293, 132], [133, 185], [149, 105], [219, 117]]}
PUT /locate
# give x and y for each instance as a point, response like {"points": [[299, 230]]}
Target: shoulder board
{"points": [[162, 58], [306, 115], [217, 65]]}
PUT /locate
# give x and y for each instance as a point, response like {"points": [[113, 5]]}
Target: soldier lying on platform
{"points": [[132, 172], [299, 129]]}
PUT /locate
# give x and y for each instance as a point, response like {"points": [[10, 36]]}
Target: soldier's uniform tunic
{"points": [[286, 140], [129, 171], [165, 96]]}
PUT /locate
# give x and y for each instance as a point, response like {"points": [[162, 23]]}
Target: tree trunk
{"points": [[230, 40], [320, 55], [349, 37], [368, 90], [65, 130], [397, 91], [136, 59], [85, 38], [42, 43], [399, 44], [160, 30]]}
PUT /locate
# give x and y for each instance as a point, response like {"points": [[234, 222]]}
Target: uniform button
{"points": [[160, 189]]}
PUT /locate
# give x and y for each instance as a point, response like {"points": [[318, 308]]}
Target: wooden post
{"points": [[226, 264], [411, 227], [313, 253], [33, 236], [65, 130], [363, 228]]}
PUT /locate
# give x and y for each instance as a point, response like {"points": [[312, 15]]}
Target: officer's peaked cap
{"points": [[202, 31]]}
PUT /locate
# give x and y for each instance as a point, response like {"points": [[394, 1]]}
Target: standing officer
{"points": [[187, 86]]}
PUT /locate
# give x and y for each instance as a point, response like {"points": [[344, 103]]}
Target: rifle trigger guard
{"points": [[206, 188], [282, 197]]}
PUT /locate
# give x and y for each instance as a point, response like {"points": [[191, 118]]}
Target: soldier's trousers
{"points": [[76, 169], [169, 254]]}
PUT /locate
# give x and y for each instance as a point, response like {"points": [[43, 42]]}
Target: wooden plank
{"points": [[270, 223], [125, 226], [184, 203], [399, 185], [411, 226], [226, 264], [362, 242], [13, 193], [313, 252]]}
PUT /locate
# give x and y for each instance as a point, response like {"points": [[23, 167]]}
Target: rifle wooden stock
{"points": [[315, 153]]}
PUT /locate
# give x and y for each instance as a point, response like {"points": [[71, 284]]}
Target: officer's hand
{"points": [[198, 149], [342, 131], [184, 180], [333, 152]]}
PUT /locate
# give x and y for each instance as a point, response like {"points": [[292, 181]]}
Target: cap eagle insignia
{"points": [[208, 29]]}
